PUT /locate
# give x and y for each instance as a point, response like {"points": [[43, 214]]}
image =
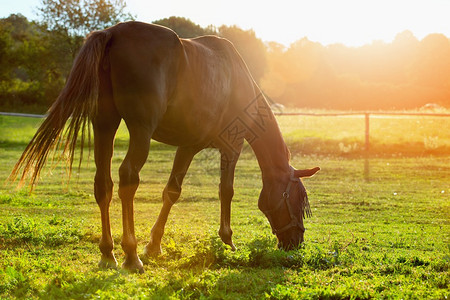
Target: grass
{"points": [[385, 234]]}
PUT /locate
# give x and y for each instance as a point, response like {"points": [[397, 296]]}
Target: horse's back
{"points": [[212, 87], [183, 88]]}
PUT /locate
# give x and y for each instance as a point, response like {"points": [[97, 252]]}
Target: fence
{"points": [[367, 118], [366, 115]]}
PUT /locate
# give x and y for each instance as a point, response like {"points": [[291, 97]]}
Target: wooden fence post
{"points": [[367, 148], [367, 132]]}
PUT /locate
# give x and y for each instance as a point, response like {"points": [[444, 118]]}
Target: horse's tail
{"points": [[77, 101]]}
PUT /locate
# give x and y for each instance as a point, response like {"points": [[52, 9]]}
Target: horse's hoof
{"points": [[107, 263], [230, 243], [133, 266], [152, 250]]}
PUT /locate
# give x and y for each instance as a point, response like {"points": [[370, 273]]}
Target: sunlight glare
{"points": [[350, 22]]}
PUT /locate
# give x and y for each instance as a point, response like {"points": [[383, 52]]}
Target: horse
{"points": [[191, 93]]}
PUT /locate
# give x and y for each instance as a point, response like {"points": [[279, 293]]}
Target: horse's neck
{"points": [[270, 149]]}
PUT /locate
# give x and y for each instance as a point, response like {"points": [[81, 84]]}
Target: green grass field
{"points": [[385, 234]]}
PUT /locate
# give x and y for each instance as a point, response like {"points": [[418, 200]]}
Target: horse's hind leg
{"points": [[105, 127], [171, 193], [129, 181]]}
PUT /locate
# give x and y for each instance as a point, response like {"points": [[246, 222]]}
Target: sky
{"points": [[350, 22]]}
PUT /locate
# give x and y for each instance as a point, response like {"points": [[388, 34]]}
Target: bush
{"points": [[17, 92]]}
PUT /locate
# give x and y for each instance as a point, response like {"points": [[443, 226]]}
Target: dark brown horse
{"points": [[191, 93]]}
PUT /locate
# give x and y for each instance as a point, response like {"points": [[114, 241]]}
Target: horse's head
{"points": [[285, 203]]}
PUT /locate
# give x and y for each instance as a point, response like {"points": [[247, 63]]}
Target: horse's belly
{"points": [[186, 131]]}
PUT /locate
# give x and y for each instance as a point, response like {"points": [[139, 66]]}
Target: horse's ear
{"points": [[306, 172]]}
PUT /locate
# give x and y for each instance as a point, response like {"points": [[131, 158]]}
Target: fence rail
{"points": [[21, 115], [366, 115], [362, 113]]}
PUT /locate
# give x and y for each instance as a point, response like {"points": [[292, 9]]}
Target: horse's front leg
{"points": [[228, 162], [171, 193]]}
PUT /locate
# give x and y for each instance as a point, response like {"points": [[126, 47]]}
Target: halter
{"points": [[306, 210]]}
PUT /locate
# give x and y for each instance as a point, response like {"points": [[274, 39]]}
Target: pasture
{"points": [[381, 235]]}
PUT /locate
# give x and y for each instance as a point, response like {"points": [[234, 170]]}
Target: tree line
{"points": [[35, 58], [404, 74]]}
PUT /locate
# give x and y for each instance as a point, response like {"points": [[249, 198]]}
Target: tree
{"points": [[432, 65], [6, 43], [79, 17], [35, 61], [21, 54], [69, 21], [185, 28], [249, 46]]}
